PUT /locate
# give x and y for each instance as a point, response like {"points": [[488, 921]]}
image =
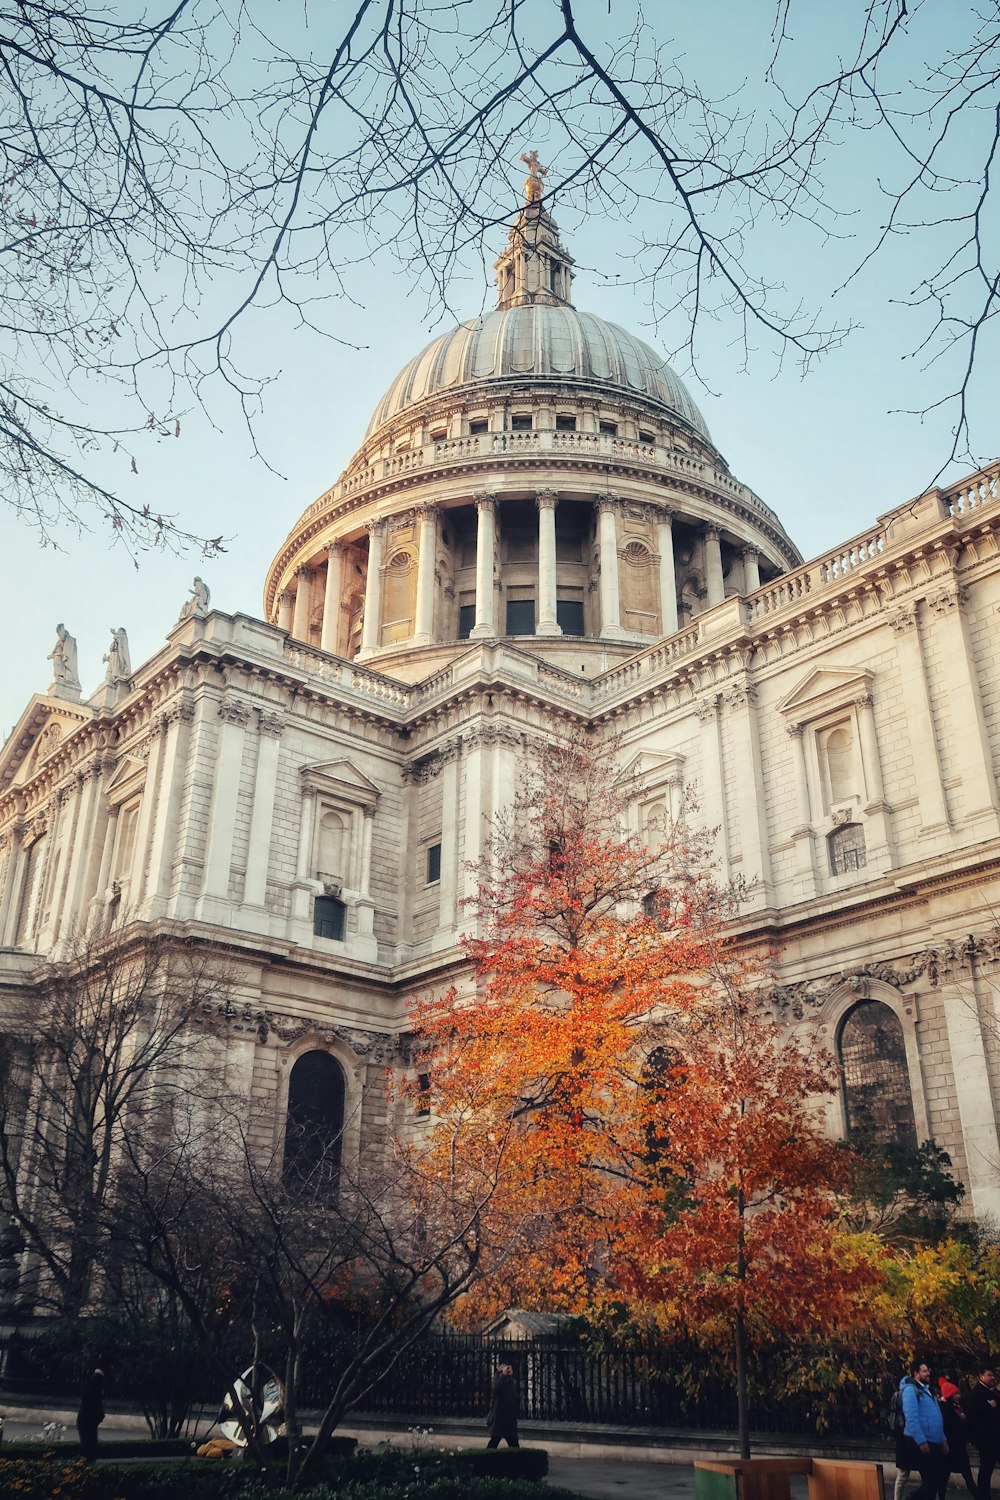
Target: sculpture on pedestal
{"points": [[196, 607], [117, 657], [65, 678]]}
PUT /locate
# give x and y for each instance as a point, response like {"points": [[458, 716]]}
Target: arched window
{"points": [[315, 1121], [876, 1080]]}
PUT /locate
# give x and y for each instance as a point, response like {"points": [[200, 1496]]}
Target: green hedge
{"points": [[384, 1474], [138, 1447], [206, 1481]]}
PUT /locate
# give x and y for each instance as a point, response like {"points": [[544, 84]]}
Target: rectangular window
{"points": [[646, 437], [466, 620], [520, 616], [609, 429], [433, 863], [477, 428], [329, 918], [569, 616], [520, 423], [565, 423]]}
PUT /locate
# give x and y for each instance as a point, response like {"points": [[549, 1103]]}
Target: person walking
{"points": [[924, 1430], [91, 1414], [956, 1433], [982, 1408], [902, 1453], [502, 1418]]}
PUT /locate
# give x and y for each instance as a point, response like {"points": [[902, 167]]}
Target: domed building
{"points": [[537, 538], [536, 472]]}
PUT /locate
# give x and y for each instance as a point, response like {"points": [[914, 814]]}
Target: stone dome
{"points": [[539, 342]]}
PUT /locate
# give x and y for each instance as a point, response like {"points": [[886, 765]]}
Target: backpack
{"points": [[897, 1420]]}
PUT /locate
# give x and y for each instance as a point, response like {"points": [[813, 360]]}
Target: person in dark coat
{"points": [[982, 1408], [91, 1414], [502, 1418], [956, 1432]]}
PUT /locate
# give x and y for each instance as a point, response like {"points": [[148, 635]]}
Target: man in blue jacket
{"points": [[923, 1428]]}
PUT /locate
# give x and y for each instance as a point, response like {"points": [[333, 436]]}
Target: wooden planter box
{"points": [[769, 1479]]}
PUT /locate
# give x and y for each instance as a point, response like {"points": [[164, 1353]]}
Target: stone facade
{"points": [[305, 792]]}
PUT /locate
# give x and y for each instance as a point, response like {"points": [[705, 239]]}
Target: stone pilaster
{"points": [[163, 843], [751, 807], [269, 726], [969, 732], [713, 783], [213, 903], [919, 720], [803, 835]]}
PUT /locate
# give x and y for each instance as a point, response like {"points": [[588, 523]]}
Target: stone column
{"points": [[751, 570], [303, 603], [919, 721], [424, 623], [668, 577], [373, 589], [486, 626], [286, 606], [607, 531], [270, 726], [714, 581], [214, 900], [546, 501], [330, 636]]}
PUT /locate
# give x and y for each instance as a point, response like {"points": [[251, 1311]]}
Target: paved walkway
{"points": [[593, 1475]]}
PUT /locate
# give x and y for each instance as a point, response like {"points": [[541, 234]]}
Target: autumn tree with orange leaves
{"points": [[745, 1241], [660, 1145]]}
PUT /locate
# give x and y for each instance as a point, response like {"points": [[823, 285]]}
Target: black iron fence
{"points": [[558, 1382]]}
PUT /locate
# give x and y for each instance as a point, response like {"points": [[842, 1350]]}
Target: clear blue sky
{"points": [[829, 452]]}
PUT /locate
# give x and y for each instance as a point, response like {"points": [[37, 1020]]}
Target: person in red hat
{"points": [[956, 1431]]}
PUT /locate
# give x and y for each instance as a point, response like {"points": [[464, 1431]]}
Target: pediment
{"points": [[652, 769], [342, 778], [824, 689], [127, 779], [38, 734]]}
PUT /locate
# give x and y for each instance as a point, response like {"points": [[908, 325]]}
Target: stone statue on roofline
{"points": [[65, 677], [117, 657], [196, 606]]}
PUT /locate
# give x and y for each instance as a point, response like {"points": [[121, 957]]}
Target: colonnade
{"points": [[295, 606]]}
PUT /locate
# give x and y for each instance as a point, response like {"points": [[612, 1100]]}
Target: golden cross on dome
{"points": [[533, 186]]}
